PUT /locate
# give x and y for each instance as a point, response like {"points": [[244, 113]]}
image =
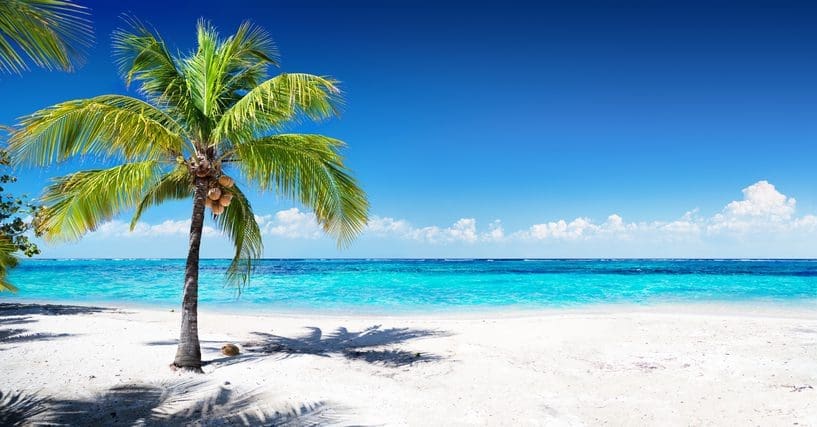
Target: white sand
{"points": [[672, 365]]}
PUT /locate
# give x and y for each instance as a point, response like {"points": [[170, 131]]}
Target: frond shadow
{"points": [[214, 344], [188, 402], [365, 345], [22, 309], [20, 313], [394, 358], [17, 408], [14, 336], [16, 320], [227, 407]]}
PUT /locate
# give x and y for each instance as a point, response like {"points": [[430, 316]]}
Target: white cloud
{"points": [[761, 199], [463, 230], [385, 226], [807, 223], [169, 227], [579, 228], [762, 209], [290, 223], [495, 232]]}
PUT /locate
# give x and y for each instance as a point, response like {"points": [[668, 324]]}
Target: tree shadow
{"points": [[16, 320], [22, 309], [19, 314], [204, 344], [365, 345], [14, 336], [18, 408], [392, 358], [169, 403]]}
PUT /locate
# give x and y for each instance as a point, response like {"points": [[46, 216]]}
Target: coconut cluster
{"points": [[218, 195]]}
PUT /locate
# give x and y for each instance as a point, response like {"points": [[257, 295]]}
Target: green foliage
{"points": [[105, 126], [238, 222], [277, 101], [309, 169], [14, 226], [175, 185], [207, 112], [7, 261], [50, 33], [78, 203]]}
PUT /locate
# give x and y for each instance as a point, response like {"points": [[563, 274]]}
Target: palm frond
{"points": [[7, 262], [247, 55], [51, 33], [176, 185], [277, 101], [144, 58], [250, 45], [204, 72], [309, 169], [108, 125], [238, 222], [80, 202]]}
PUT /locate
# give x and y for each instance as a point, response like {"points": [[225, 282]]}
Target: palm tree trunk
{"points": [[188, 353]]}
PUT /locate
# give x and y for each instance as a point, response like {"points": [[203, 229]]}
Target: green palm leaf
{"points": [[107, 126], [276, 101], [51, 33], [78, 203], [239, 224], [248, 46], [142, 56], [176, 185], [244, 58], [308, 168], [204, 72], [7, 262]]}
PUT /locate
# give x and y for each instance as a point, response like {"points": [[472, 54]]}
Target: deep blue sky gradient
{"points": [[523, 112]]}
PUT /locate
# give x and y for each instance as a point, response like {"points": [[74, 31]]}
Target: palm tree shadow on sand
{"points": [[24, 309], [372, 345], [168, 403], [19, 314]]}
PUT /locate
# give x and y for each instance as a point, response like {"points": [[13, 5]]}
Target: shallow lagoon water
{"points": [[394, 286]]}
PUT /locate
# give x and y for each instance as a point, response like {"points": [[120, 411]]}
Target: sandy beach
{"points": [[666, 365]]}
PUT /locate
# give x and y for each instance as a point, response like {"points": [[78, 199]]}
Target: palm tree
{"points": [[52, 34], [204, 113]]}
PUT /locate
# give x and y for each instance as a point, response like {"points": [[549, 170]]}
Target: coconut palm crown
{"points": [[201, 116]]}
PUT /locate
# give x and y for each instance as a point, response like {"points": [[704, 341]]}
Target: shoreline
{"points": [[795, 308]]}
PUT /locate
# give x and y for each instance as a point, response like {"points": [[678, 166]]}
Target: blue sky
{"points": [[650, 128]]}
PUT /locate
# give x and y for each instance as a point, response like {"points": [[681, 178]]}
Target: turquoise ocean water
{"points": [[420, 285]]}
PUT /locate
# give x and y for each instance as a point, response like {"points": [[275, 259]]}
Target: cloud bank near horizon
{"points": [[762, 211]]}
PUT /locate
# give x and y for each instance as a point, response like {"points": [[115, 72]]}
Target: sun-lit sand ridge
{"points": [[668, 365]]}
